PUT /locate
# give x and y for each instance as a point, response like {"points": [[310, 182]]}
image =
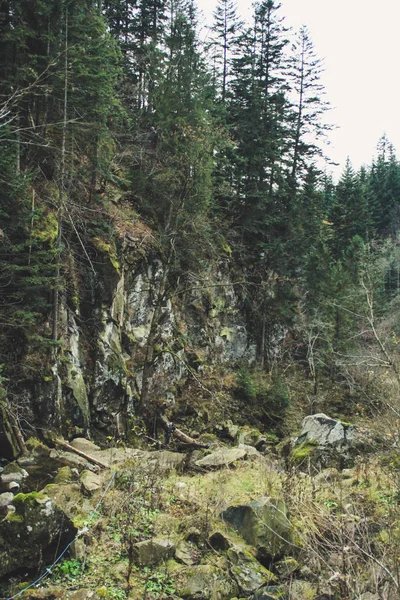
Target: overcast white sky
{"points": [[359, 41]]}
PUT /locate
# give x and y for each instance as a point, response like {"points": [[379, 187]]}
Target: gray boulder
{"points": [[5, 500], [152, 552], [251, 452], [248, 573], [12, 487], [61, 457], [91, 482], [13, 476], [187, 554], [263, 524], [84, 445], [165, 461], [222, 457], [326, 432]]}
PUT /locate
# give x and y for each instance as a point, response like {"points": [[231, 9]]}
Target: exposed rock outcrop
{"points": [[27, 535], [264, 524]]}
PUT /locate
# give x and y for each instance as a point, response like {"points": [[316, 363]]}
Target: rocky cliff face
{"points": [[96, 378]]}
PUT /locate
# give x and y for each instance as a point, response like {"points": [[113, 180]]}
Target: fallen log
{"points": [[12, 430], [182, 437], [90, 459]]}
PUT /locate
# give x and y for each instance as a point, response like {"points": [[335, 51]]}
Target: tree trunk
{"points": [[87, 457], [12, 430], [56, 299], [182, 437]]}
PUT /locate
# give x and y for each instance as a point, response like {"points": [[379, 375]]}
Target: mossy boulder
{"points": [[13, 468], [309, 456], [64, 475], [249, 435], [47, 593], [68, 498], [263, 524], [152, 552], [186, 553], [108, 250], [248, 573], [84, 594], [36, 451], [204, 582], [28, 534], [286, 567]]}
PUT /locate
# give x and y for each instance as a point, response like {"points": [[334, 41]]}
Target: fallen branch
{"points": [[182, 437], [90, 459]]}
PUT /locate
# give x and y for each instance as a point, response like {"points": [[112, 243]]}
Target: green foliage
{"points": [[276, 397], [134, 521], [158, 584], [115, 593], [69, 570], [269, 395], [247, 387]]}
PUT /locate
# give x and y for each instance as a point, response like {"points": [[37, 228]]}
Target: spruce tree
{"points": [[258, 113], [350, 212], [308, 106], [225, 29], [384, 188]]}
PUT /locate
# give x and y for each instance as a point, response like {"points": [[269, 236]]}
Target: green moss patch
{"points": [[109, 250], [303, 451], [23, 500]]}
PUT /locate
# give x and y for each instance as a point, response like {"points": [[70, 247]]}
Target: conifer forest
{"points": [[199, 323]]}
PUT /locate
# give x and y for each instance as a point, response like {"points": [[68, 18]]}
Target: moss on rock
{"points": [[109, 250], [26, 534], [299, 453], [64, 475]]}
